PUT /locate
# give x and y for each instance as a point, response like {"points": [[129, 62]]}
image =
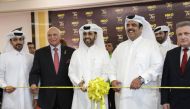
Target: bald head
{"points": [[54, 36]]}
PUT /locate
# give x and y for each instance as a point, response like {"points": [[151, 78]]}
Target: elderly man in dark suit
{"points": [[176, 71], [50, 67]]}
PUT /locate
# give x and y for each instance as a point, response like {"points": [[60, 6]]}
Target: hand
{"points": [[166, 106], [9, 89], [116, 83], [135, 84], [34, 89], [81, 84]]}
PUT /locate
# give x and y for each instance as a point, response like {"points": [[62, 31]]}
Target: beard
{"points": [[160, 40], [89, 42], [18, 47]]}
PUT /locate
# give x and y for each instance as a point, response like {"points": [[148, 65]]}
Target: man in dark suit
{"points": [[50, 67], [176, 71]]}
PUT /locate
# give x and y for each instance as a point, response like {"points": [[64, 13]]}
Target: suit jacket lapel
{"points": [[62, 58], [179, 61], [178, 53], [50, 59], [187, 68]]}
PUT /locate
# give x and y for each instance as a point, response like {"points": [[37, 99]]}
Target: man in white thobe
{"points": [[15, 65], [89, 61], [163, 39], [165, 44], [137, 62]]}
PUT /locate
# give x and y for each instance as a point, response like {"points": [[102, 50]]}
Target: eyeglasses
{"points": [[17, 39]]}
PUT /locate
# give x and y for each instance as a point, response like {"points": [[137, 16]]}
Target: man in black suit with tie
{"points": [[176, 71], [50, 67]]}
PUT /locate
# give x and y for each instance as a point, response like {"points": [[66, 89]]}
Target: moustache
{"points": [[18, 44], [87, 38], [160, 38]]}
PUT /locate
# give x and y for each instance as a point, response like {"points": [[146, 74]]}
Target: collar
{"points": [[18, 52], [58, 47], [136, 40], [185, 47]]}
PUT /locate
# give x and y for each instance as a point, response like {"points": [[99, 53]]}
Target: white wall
{"points": [[10, 21], [31, 5]]}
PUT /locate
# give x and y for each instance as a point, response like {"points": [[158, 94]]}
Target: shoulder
{"points": [[29, 55], [7, 54], [149, 41], [68, 48], [174, 50], [42, 50], [121, 45]]}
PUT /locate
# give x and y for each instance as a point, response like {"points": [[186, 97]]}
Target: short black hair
{"points": [[29, 43]]}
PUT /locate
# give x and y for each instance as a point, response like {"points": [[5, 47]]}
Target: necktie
{"points": [[184, 60], [56, 60]]}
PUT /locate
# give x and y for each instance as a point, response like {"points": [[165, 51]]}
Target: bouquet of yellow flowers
{"points": [[97, 89]]}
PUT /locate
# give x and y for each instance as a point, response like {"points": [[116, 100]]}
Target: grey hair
{"points": [[182, 24]]}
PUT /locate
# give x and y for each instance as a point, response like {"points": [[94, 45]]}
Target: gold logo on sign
{"points": [[104, 12], [89, 20], [151, 8], [135, 9], [170, 25], [106, 38], [89, 13], [75, 23], [171, 34], [169, 5], [187, 13], [120, 36], [75, 31], [61, 24], [105, 30], [104, 21], [152, 17], [119, 19], [119, 28], [153, 26], [75, 15], [169, 15], [186, 4], [119, 10], [75, 40], [62, 32], [60, 16]]}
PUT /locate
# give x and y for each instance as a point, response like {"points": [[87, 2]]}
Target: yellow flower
{"points": [[97, 89]]}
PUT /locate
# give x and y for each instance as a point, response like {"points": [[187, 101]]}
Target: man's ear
{"points": [[95, 36], [11, 42]]}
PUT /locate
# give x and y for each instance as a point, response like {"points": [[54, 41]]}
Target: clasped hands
{"points": [[9, 89], [82, 87]]}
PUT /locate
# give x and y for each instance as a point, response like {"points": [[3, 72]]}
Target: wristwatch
{"points": [[141, 79]]}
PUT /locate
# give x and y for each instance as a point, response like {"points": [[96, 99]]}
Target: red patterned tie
{"points": [[56, 60], [184, 60]]}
